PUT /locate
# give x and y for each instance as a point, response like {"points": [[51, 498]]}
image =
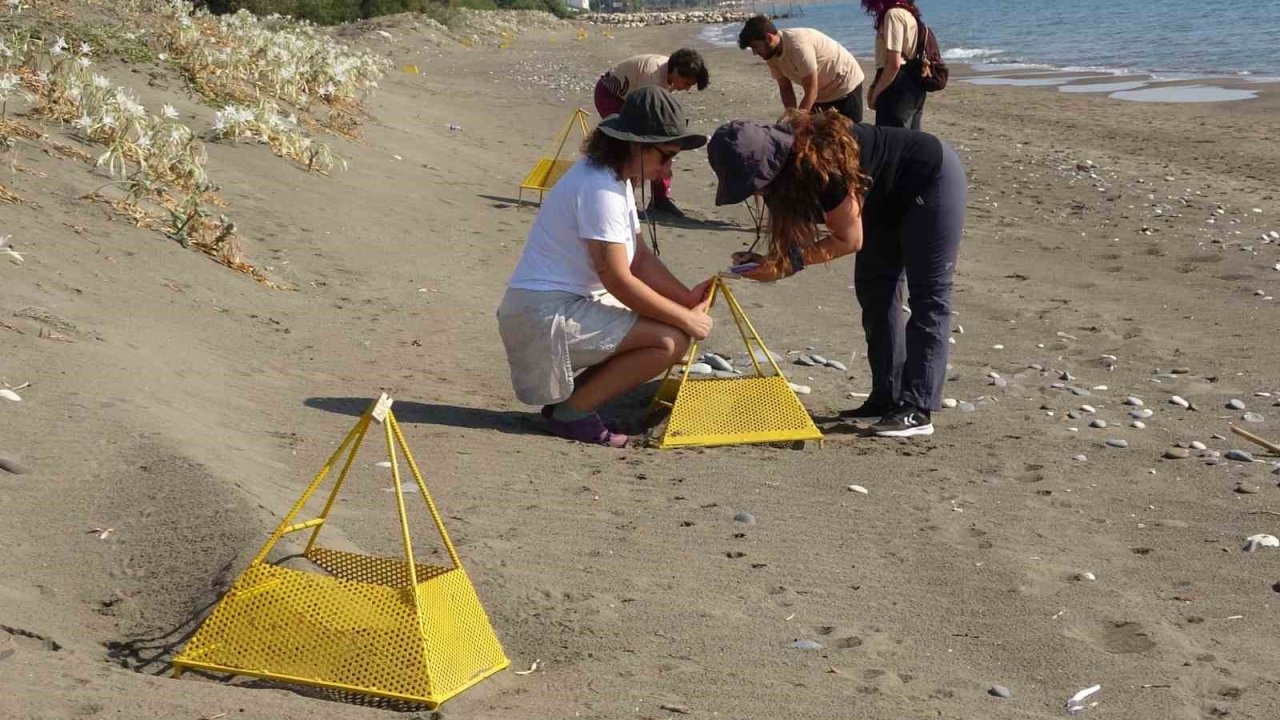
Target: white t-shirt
{"points": [[588, 203]]}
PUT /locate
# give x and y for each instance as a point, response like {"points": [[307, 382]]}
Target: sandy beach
{"points": [[1113, 250]]}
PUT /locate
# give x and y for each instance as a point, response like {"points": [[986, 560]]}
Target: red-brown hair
{"points": [[824, 150], [879, 8]]}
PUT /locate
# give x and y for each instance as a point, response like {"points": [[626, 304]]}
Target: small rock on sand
{"points": [[700, 369], [837, 365], [1253, 417], [805, 360], [717, 362], [745, 518], [1118, 443], [1177, 453], [1133, 401], [13, 466], [858, 489], [806, 645], [1197, 445], [1000, 691], [966, 406], [1179, 401], [1097, 423], [1143, 414], [1247, 488], [1239, 456], [1082, 458], [818, 359], [1235, 404], [949, 402]]}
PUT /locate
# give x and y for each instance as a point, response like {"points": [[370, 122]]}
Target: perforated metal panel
{"points": [[366, 626], [555, 162], [735, 411], [759, 408]]}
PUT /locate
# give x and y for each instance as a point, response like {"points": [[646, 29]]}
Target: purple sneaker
{"points": [[589, 429]]}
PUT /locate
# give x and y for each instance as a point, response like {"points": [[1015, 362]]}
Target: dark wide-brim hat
{"points": [[746, 156], [652, 115]]}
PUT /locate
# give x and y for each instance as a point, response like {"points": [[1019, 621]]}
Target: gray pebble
{"points": [[1073, 415], [805, 360], [966, 406], [837, 365], [1239, 456], [1082, 457], [1000, 691], [1253, 417], [1197, 445], [1177, 453], [1216, 436], [1118, 443], [717, 362], [1213, 461], [1143, 414], [1245, 488], [818, 359], [1133, 401], [745, 518], [1235, 404], [700, 369], [806, 645], [1097, 423], [1079, 391], [1138, 424], [13, 466]]}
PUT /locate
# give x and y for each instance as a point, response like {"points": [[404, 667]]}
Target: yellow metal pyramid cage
{"points": [[380, 626], [552, 166], [755, 408]]}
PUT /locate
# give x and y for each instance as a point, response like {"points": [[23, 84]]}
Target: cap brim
{"points": [[688, 141], [726, 195]]}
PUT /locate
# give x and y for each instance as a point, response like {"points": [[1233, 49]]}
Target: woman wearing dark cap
{"points": [[557, 316], [897, 198]]}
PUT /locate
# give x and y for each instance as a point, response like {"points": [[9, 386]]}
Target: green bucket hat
{"points": [[652, 115]]}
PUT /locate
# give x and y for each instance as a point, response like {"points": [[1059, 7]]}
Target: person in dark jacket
{"points": [[896, 198]]}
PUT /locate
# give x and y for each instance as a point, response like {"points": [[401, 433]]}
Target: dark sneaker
{"points": [[869, 411], [906, 421], [590, 429], [665, 205]]}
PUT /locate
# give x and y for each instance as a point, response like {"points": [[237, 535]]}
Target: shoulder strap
{"points": [[922, 38]]}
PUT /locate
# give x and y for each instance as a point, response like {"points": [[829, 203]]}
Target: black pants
{"points": [[909, 360], [902, 103], [849, 106]]}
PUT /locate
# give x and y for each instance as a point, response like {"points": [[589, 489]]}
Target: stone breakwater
{"points": [[672, 17]]}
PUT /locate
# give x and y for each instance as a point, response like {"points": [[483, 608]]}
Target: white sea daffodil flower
{"points": [[84, 48], [8, 83], [59, 47], [169, 112], [100, 82], [83, 62]]}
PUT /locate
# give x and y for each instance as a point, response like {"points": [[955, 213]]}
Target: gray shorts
{"points": [[549, 334]]}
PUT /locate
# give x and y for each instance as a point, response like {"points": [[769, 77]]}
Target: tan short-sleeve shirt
{"points": [[640, 71], [805, 52], [898, 33]]}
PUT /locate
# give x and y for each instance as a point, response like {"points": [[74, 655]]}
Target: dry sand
{"points": [[188, 407]]}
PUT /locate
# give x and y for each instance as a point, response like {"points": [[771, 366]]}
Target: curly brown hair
{"points": [[824, 151], [607, 151]]}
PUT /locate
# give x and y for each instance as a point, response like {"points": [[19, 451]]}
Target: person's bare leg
{"points": [[649, 349]]}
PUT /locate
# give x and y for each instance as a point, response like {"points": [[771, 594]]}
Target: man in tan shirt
{"points": [[827, 73], [683, 70], [896, 94]]}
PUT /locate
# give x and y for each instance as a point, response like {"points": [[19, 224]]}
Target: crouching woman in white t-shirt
{"points": [[555, 318]]}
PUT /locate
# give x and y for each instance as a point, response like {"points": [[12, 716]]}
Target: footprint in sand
{"points": [[1118, 637]]}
